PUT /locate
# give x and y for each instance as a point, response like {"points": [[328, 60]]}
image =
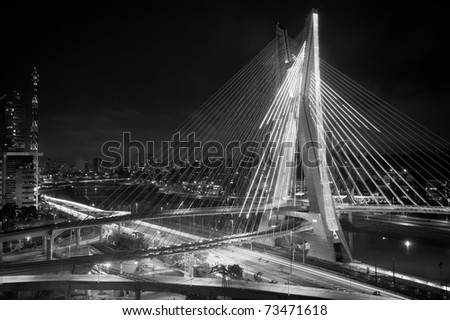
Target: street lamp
{"points": [[376, 275], [440, 271], [407, 244], [293, 250], [393, 271], [70, 240], [303, 249]]}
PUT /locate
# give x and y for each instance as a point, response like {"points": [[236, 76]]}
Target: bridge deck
{"points": [[152, 252], [180, 284], [229, 210]]}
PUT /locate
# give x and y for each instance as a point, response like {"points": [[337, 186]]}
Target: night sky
{"points": [[123, 67]]}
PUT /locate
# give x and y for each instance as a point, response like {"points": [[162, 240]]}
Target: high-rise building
{"points": [[97, 165], [19, 168], [19, 178], [80, 165], [64, 168], [34, 112], [1, 182], [12, 123]]}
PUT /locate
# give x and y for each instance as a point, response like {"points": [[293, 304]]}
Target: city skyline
{"points": [[105, 71], [284, 169]]}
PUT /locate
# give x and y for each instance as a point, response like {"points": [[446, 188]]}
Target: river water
{"points": [[418, 259]]}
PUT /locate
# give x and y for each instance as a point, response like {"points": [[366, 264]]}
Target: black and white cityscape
{"points": [[224, 151]]}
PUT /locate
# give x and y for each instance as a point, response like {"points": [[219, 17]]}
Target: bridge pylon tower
{"points": [[305, 129]]}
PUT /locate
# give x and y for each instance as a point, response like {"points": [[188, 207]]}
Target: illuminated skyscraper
{"points": [[19, 183], [12, 123], [18, 166], [34, 113]]}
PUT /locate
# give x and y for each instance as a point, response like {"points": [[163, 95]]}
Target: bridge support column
{"points": [[101, 233], [350, 241], [49, 246], [77, 238], [119, 293], [1, 252], [120, 228], [322, 243], [137, 293], [68, 293], [350, 217]]}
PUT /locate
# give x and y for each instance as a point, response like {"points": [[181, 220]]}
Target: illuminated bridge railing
{"points": [[393, 208]]}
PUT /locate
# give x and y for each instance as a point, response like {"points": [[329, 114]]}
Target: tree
{"points": [[236, 271], [258, 276], [27, 214], [127, 242], [185, 259], [8, 216], [176, 260]]}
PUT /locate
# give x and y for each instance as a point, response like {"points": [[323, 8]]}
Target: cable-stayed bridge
{"points": [[283, 147]]}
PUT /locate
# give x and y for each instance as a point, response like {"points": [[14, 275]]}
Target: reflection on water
{"points": [[417, 259], [100, 195]]}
